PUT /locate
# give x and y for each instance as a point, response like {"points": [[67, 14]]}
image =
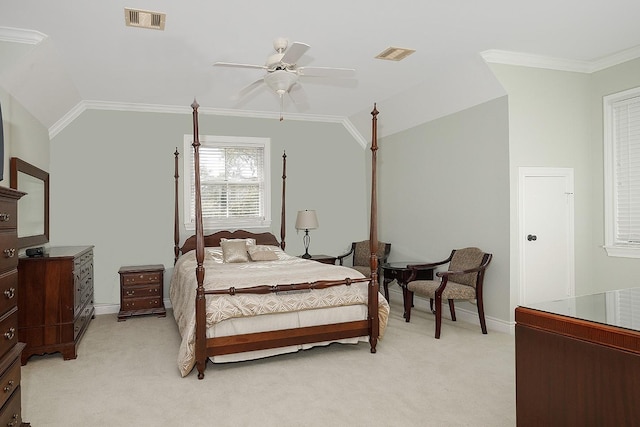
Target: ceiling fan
{"points": [[283, 72]]}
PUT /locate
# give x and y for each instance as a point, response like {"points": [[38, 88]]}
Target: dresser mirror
{"points": [[33, 208]]}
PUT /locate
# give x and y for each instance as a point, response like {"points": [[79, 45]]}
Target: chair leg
{"points": [[408, 302], [438, 312], [479, 303], [431, 305], [452, 310]]}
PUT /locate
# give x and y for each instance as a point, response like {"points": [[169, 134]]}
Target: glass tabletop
{"points": [[400, 265], [619, 308]]}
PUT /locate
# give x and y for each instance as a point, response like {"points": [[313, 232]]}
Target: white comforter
{"points": [[286, 270]]}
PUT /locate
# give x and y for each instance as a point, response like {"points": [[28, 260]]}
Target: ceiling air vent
{"points": [[395, 53], [144, 19]]}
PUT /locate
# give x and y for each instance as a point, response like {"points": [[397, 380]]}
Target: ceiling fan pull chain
{"points": [[281, 106]]}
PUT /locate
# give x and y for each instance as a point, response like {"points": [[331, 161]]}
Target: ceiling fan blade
{"points": [[299, 97], [294, 52], [326, 72], [248, 89], [236, 65]]}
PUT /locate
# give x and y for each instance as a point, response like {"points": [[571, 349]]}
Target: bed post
{"points": [[201, 338], [373, 238], [176, 215], [282, 208]]}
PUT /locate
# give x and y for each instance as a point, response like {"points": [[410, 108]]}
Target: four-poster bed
{"points": [[256, 300]]}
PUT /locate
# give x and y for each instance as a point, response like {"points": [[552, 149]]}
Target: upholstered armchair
{"points": [[361, 257], [463, 280]]}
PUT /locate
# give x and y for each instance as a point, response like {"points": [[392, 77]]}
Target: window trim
{"points": [[613, 248], [234, 224]]}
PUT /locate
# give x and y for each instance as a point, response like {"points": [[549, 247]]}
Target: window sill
{"points": [[623, 251]]}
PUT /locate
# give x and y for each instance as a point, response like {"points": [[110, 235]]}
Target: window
{"points": [[234, 182], [622, 173]]}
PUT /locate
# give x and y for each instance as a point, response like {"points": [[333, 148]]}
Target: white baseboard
{"points": [[115, 308], [462, 314]]}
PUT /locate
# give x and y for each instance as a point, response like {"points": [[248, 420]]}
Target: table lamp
{"points": [[306, 220]]}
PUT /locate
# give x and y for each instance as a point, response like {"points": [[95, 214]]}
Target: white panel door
{"points": [[546, 234]]}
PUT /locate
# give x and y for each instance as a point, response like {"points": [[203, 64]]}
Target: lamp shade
{"points": [[306, 220]]}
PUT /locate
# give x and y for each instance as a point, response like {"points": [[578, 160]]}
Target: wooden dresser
{"points": [[56, 300], [10, 348]]}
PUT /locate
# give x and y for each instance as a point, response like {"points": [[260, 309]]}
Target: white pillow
{"points": [[215, 254], [248, 241], [262, 253]]}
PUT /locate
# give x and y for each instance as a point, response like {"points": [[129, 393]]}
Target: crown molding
{"points": [[535, 61], [18, 35], [539, 61], [175, 109], [616, 58]]}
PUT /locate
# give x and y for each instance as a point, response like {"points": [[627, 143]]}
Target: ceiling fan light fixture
{"points": [[280, 81]]}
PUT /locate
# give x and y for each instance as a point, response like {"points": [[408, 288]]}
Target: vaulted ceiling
{"points": [[58, 57]]}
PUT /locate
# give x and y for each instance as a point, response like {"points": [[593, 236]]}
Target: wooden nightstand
{"points": [[325, 259], [141, 291]]}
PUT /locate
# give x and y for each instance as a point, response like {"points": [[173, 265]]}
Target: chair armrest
{"points": [[470, 270], [342, 257]]}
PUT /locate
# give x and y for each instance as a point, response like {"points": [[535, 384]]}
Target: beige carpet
{"points": [[126, 374]]}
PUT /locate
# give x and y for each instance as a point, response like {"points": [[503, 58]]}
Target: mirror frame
{"points": [[19, 165]]}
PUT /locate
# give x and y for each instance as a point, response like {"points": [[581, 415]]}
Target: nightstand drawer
{"points": [[129, 292], [140, 278], [141, 304]]}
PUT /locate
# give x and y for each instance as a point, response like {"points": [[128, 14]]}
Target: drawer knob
{"points": [[10, 293], [130, 293], [10, 333], [8, 387], [10, 253], [4, 217], [14, 421]]}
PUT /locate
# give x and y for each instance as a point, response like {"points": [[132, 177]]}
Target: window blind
{"points": [[231, 182], [626, 138]]}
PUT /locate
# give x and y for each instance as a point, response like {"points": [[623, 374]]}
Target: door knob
{"points": [[532, 237]]}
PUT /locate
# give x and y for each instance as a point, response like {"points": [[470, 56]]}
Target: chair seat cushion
{"points": [[427, 288]]}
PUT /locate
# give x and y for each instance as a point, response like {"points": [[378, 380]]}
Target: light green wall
{"points": [[608, 272], [556, 121], [445, 185], [112, 185], [549, 127]]}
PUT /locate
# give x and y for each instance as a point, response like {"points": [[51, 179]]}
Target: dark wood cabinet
{"points": [[574, 369], [10, 348], [141, 291], [56, 300]]}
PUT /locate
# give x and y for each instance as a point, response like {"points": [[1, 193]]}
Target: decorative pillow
{"points": [[215, 254], [262, 253], [234, 251], [248, 241]]}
